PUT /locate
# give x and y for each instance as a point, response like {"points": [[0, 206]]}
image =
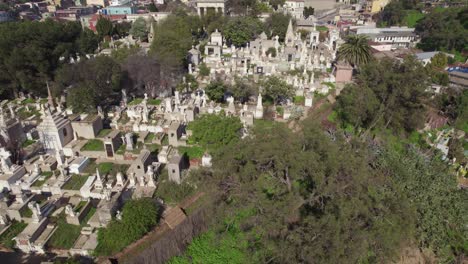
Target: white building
{"points": [[156, 16], [397, 36], [295, 8], [204, 6], [55, 131], [119, 2]]}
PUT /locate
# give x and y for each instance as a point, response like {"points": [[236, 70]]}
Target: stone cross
{"points": [[118, 215], [129, 140], [100, 112], [150, 175], [69, 210], [12, 111], [119, 178]]}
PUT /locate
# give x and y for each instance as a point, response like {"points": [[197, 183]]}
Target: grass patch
{"points": [[121, 149], [322, 28], [28, 143], [106, 168], [152, 147], [412, 17], [280, 110], [299, 99], [263, 124], [28, 101], [65, 235], [88, 216], [149, 138], [225, 244], [42, 179], [349, 128], [6, 239], [23, 113], [165, 140], [104, 132], [154, 101], [329, 84], [93, 145], [136, 101], [194, 152], [332, 116], [137, 148], [79, 206], [26, 212], [75, 182]]}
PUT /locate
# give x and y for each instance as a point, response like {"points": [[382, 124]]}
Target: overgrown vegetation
{"points": [[214, 131], [75, 182], [93, 145], [138, 218], [171, 192], [6, 239], [65, 235]]}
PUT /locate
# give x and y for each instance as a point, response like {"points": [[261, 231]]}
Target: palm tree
{"points": [[356, 51]]}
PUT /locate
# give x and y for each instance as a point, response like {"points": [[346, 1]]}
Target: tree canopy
{"points": [[444, 30], [140, 29], [277, 25], [356, 51], [30, 52], [173, 38], [95, 79], [240, 30], [215, 91], [387, 94], [276, 89]]}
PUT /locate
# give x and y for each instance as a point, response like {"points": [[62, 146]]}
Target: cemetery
{"points": [[67, 175]]}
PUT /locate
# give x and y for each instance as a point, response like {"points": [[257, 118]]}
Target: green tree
{"points": [[439, 61], [104, 27], [152, 7], [216, 90], [242, 90], [327, 189], [240, 30], [101, 76], [277, 24], [357, 105], [139, 29], [456, 150], [121, 54], [393, 14], [276, 89], [122, 29], [276, 3], [356, 50], [440, 205], [31, 53], [172, 40], [308, 11], [443, 30], [387, 94], [88, 41], [203, 70], [82, 98]]}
